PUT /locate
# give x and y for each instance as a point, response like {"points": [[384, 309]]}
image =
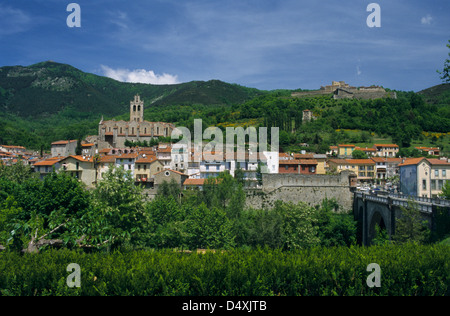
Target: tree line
{"points": [[59, 211]]}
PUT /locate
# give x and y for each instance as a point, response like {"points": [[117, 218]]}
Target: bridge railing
{"points": [[435, 201]]}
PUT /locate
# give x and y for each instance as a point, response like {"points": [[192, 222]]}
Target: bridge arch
{"points": [[377, 214], [376, 220]]}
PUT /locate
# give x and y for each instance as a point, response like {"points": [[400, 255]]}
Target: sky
{"points": [[264, 44]]}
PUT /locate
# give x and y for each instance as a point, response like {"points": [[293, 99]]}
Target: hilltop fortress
{"points": [[342, 90]]}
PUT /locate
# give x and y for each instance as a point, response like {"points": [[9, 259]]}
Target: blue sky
{"points": [[264, 44]]}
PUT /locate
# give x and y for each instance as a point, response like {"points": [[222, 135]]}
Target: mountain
{"points": [[47, 88], [437, 95], [50, 101]]}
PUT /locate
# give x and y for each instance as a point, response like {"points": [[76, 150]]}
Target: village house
{"points": [[127, 161], [345, 150], [386, 168], [298, 166], [432, 151], [47, 166], [88, 149], [363, 168], [81, 168], [104, 164], [145, 169], [424, 177], [20, 150], [64, 148], [168, 175], [333, 151], [386, 150], [368, 151], [164, 154]]}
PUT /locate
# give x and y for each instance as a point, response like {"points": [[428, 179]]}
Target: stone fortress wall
{"points": [[311, 189], [342, 90]]}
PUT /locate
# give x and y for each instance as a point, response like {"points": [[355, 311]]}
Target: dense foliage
{"points": [[37, 213], [405, 270]]}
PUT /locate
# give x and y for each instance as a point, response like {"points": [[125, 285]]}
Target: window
{"points": [[440, 184], [424, 184], [444, 173], [436, 173], [433, 184]]}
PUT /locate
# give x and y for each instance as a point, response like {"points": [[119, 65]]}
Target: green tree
{"points": [[17, 173], [209, 228], [359, 154], [45, 212], [445, 73], [446, 190], [79, 148], [262, 228], [411, 227], [119, 204], [165, 223], [298, 230], [170, 189]]}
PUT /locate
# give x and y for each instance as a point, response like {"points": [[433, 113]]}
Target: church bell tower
{"points": [[137, 109]]}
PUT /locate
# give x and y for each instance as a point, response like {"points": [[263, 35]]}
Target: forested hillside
{"points": [[50, 101]]}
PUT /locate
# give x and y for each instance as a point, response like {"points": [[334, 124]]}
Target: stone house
{"points": [[167, 175], [64, 148]]}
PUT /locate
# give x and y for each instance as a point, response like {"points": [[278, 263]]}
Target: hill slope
{"points": [[47, 88]]}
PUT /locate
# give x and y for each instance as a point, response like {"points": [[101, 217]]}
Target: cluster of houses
{"points": [[151, 166]]}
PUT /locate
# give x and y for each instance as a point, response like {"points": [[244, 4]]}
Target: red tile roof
{"points": [[63, 142], [386, 145]]}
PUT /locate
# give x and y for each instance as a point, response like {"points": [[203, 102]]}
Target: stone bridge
{"points": [[383, 210]]}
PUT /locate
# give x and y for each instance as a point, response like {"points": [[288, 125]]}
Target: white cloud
{"points": [[13, 20], [426, 20], [139, 76]]}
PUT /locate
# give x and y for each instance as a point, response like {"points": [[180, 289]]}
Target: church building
{"points": [[113, 134]]}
